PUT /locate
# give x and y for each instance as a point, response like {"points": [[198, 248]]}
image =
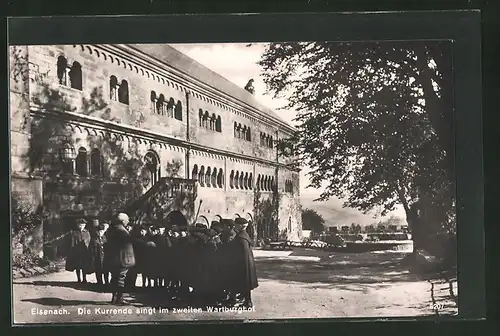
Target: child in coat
{"points": [[78, 257], [97, 244]]}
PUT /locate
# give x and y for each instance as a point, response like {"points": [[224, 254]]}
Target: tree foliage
{"points": [[312, 220], [374, 121]]}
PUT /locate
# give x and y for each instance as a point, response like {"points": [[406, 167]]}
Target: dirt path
{"points": [[301, 284]]}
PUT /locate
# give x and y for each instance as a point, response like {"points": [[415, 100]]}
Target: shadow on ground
{"points": [[51, 301], [339, 270], [92, 287]]}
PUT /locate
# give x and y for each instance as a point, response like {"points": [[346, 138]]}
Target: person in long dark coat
{"points": [[217, 265], [97, 243], [173, 261], [198, 264], [244, 269], [165, 258], [158, 257], [226, 258], [78, 255], [186, 261], [122, 255], [140, 248]]}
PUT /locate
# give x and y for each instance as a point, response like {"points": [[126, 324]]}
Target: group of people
{"points": [[211, 265]]}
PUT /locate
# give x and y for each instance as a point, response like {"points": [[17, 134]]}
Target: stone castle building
{"points": [[97, 129]]}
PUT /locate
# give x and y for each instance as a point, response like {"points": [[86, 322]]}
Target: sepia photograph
{"points": [[232, 181]]}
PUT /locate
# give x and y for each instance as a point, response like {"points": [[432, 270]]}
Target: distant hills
{"points": [[335, 215]]}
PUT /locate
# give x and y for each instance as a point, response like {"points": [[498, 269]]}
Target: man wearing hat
{"points": [[122, 255], [245, 274], [227, 258], [96, 248], [78, 255]]}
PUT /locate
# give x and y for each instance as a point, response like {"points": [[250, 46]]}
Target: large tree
{"points": [[374, 123], [312, 220]]}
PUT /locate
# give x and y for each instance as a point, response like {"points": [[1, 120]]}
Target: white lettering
{"points": [[60, 311]]}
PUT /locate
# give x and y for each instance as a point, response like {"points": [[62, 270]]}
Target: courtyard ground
{"points": [[299, 284]]}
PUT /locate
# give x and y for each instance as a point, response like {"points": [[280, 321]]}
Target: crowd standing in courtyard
{"points": [[207, 265]]}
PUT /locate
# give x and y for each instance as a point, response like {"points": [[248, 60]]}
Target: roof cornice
{"points": [[134, 55]]}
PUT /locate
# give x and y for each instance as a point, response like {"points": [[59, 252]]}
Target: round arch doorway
{"points": [[176, 218]]}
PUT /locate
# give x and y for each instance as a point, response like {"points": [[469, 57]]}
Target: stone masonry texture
{"points": [[46, 114]]}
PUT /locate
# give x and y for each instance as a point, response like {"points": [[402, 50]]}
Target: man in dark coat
{"points": [[227, 259], [245, 274], [122, 255], [96, 248], [140, 248], [78, 256]]}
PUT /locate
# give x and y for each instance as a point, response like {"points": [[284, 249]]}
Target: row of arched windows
{"points": [[69, 75], [161, 106], [266, 140], [211, 122], [288, 186], [208, 177], [85, 164], [118, 91], [265, 183], [242, 132], [240, 180]]}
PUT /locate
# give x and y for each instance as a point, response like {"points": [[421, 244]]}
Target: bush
{"points": [[25, 218]]}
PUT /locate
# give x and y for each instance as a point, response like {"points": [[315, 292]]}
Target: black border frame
{"points": [[463, 27]]}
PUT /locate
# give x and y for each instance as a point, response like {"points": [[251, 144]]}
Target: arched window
{"points": [[113, 88], [242, 182], [237, 180], [249, 136], [264, 183], [81, 162], [170, 107], [96, 162], [258, 182], [178, 111], [271, 186], [244, 132], [75, 76], [194, 174], [208, 177], [214, 178], [201, 176], [152, 97], [235, 129], [152, 164], [213, 120], [160, 104], [250, 181], [231, 179], [220, 178], [123, 92], [245, 181], [205, 119], [62, 66], [218, 125], [271, 142], [200, 116], [238, 129]]}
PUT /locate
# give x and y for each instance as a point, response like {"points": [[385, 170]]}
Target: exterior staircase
{"points": [[164, 197]]}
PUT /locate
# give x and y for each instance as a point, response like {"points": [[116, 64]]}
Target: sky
{"points": [[238, 63]]}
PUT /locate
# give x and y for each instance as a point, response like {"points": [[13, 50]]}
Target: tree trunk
{"points": [[412, 219]]}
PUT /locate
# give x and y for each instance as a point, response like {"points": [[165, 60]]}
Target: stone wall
{"points": [[30, 191], [124, 133]]}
